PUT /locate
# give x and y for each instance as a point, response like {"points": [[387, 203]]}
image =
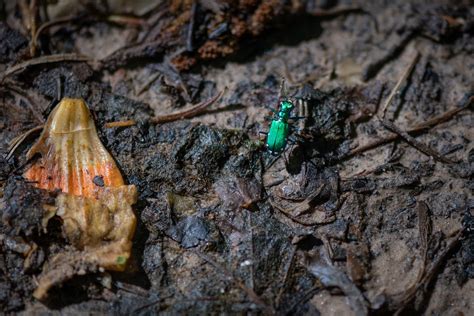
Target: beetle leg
{"points": [[263, 133], [286, 159], [282, 88], [274, 157], [295, 130]]}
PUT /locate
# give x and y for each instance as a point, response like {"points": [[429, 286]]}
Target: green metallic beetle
{"points": [[277, 136]]}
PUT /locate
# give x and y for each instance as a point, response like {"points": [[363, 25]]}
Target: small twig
{"points": [[443, 117], [17, 141], [374, 67], [119, 19], [250, 293], [130, 288], [415, 143], [33, 16], [403, 78], [414, 130], [49, 24], [153, 22], [190, 34], [43, 60], [148, 83], [306, 297], [336, 11], [24, 11], [120, 124], [127, 20], [152, 303], [194, 111], [29, 12]]}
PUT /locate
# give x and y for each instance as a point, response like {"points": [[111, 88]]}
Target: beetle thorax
{"points": [[285, 109]]}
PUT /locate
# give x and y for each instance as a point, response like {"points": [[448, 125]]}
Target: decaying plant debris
{"points": [[370, 212], [94, 203]]}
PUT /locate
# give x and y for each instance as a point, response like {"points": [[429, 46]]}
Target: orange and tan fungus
{"points": [[72, 154], [97, 217]]}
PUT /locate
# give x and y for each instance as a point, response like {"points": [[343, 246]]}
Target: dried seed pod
{"points": [[72, 154], [95, 204]]}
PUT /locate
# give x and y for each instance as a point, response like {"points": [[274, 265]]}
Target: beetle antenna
{"points": [[282, 88]]}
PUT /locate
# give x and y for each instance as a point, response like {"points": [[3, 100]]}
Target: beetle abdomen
{"points": [[276, 140]]}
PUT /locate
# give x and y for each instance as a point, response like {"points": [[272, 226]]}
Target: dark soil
{"points": [[336, 225]]}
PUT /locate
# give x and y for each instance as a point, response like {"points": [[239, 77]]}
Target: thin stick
{"points": [[17, 141], [120, 124], [443, 117], [391, 53], [417, 129], [148, 83], [194, 111], [29, 12], [336, 11], [33, 14], [43, 60], [403, 78], [127, 20], [413, 142], [190, 33], [49, 24]]}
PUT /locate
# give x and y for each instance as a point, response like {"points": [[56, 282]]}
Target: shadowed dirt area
{"points": [[369, 210]]}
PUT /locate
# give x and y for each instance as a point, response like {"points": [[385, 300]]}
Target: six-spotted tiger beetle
{"points": [[277, 136], [280, 128]]}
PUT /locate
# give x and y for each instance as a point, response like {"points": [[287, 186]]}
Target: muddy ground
{"points": [[369, 212]]}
